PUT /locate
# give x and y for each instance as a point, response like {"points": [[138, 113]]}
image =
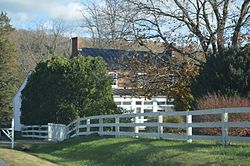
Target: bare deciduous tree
{"points": [[93, 22], [203, 24], [107, 23], [190, 28]]}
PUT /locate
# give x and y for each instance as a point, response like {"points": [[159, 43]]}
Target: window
{"points": [[141, 78], [126, 103], [170, 79], [115, 78], [118, 103], [161, 103], [148, 110], [148, 103], [138, 102], [138, 110]]}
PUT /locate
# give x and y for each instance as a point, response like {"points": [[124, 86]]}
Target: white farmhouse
{"points": [[122, 93]]}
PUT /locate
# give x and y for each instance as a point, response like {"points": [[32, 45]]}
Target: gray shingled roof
{"points": [[113, 57]]}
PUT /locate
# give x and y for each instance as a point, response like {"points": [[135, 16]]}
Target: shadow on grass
{"points": [[61, 145], [95, 150]]}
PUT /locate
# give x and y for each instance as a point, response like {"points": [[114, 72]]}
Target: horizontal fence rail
{"points": [[35, 131], [138, 125], [152, 124]]}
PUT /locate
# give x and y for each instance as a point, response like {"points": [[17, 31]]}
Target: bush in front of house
{"points": [[173, 119], [166, 119], [212, 101], [60, 90], [227, 72]]}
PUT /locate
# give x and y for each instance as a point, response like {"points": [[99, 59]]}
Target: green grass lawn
{"points": [[95, 150]]}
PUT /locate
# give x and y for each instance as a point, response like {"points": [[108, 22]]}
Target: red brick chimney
{"points": [[74, 43], [77, 43]]}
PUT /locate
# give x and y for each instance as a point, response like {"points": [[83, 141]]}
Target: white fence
{"points": [[51, 132], [10, 133], [112, 124], [35, 131], [152, 125]]}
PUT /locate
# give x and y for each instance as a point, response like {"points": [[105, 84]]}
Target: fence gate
{"points": [[9, 132]]}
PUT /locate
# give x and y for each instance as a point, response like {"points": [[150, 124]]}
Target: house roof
{"points": [[122, 92], [113, 57]]}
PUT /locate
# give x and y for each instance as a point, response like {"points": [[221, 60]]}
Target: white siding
{"points": [[17, 106]]}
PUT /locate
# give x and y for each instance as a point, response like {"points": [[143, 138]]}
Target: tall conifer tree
{"points": [[9, 69]]}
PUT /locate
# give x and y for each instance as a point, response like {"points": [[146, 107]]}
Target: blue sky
{"points": [[28, 14]]}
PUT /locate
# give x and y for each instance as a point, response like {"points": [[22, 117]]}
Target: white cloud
{"points": [[67, 10], [20, 16]]}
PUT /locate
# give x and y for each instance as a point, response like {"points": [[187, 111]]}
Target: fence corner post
{"points": [[224, 129], [49, 130], [188, 128], [160, 127]]}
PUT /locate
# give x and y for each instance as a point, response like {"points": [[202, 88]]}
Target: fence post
{"points": [[160, 127], [136, 126], [88, 126], [100, 126], [40, 129], [77, 126], [67, 132], [188, 128], [117, 128], [224, 129], [50, 132], [12, 134], [32, 128]]}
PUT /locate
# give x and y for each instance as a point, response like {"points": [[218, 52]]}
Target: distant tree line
{"points": [[40, 44]]}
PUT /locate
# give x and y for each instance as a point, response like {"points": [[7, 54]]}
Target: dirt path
{"points": [[2, 163]]}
